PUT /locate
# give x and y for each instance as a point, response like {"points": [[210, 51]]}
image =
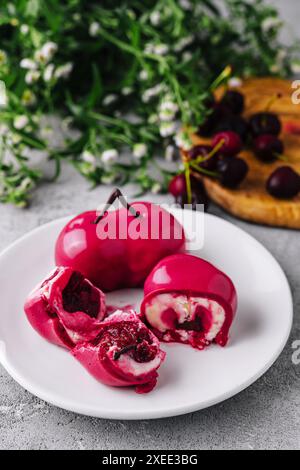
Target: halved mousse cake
{"points": [[124, 353], [66, 308], [188, 300]]}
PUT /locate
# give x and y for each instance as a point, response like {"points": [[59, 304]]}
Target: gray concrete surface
{"points": [[266, 415]]}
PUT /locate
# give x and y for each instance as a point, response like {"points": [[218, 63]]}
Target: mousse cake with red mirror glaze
{"points": [[65, 308], [188, 300], [124, 353]]}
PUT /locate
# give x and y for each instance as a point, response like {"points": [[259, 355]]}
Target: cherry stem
{"points": [[284, 158], [272, 100], [223, 76], [212, 153], [203, 170], [116, 194], [118, 354]]}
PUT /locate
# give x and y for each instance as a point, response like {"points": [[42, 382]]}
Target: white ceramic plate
{"points": [[189, 380]]}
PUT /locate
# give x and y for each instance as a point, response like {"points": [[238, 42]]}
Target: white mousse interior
{"points": [[160, 316]]}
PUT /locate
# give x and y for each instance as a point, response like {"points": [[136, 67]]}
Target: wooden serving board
{"points": [[251, 200]]}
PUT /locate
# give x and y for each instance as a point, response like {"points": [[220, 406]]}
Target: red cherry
{"points": [[177, 185], [283, 183], [232, 143], [113, 261], [268, 147]]}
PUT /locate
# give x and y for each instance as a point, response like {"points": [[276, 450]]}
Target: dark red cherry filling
{"points": [[80, 296], [130, 339], [200, 323]]}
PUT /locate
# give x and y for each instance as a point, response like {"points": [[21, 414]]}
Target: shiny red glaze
{"points": [[48, 312], [194, 276], [118, 263], [98, 357]]}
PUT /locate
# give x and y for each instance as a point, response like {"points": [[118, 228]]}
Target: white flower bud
{"points": [[143, 75], [28, 64], [21, 121], [161, 49], [182, 140], [270, 23], [3, 95], [167, 129], [155, 18], [140, 150], [88, 157], [63, 71], [109, 99], [170, 153], [48, 50], [48, 72], [156, 188], [109, 156], [32, 76], [24, 28], [235, 82], [94, 29]]}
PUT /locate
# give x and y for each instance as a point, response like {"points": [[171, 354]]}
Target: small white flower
{"points": [[235, 82], [149, 48], [153, 119], [155, 18], [270, 23], [48, 72], [140, 150], [126, 91], [109, 156], [24, 28], [168, 110], [4, 129], [28, 64], [187, 56], [295, 67], [32, 76], [183, 42], [170, 153], [28, 98], [182, 140], [67, 124], [161, 49], [46, 53], [109, 99], [94, 29], [166, 129], [76, 17], [275, 68], [21, 121], [152, 92], [185, 4], [88, 157], [3, 57], [156, 188], [143, 75], [3, 95], [63, 71], [49, 49]]}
